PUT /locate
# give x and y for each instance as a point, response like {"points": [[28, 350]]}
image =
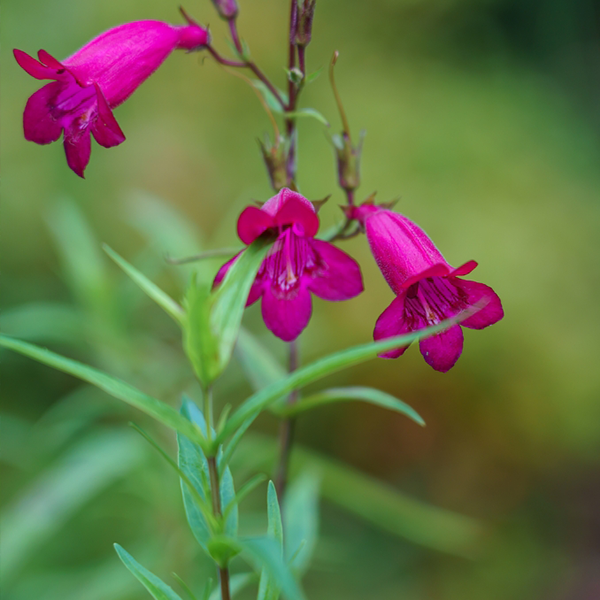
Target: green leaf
{"points": [[192, 461], [87, 468], [199, 341], [274, 527], [198, 498], [265, 552], [111, 385], [185, 586], [82, 261], [374, 501], [267, 588], [301, 518], [148, 287], [157, 588], [259, 365], [45, 322], [310, 78], [251, 407], [229, 301], [341, 394], [308, 112], [270, 99]]}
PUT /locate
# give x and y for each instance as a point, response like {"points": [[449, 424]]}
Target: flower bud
{"points": [[276, 160], [348, 160], [227, 9], [302, 22]]}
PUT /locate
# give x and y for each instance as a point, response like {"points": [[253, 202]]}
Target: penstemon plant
{"points": [[284, 262]]}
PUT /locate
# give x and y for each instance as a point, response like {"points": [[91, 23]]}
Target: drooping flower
{"points": [[296, 265], [428, 290], [96, 79]]}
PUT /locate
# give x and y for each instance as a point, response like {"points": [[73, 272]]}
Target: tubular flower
{"points": [[296, 265], [428, 290], [96, 79]]}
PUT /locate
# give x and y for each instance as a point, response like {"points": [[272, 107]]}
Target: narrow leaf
{"points": [[251, 407], [341, 394], [301, 512], [267, 588], [148, 287], [185, 586], [266, 552], [157, 588], [111, 385], [310, 78], [229, 300], [270, 99], [200, 501], [193, 463], [33, 518], [308, 112]]}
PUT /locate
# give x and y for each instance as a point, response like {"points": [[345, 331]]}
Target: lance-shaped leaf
{"points": [[192, 461], [229, 300], [262, 399], [111, 385], [157, 588], [213, 319], [301, 512], [267, 588], [308, 112], [150, 288], [199, 341], [342, 394]]}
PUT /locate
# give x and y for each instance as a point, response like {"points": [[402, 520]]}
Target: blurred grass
{"points": [[482, 116]]}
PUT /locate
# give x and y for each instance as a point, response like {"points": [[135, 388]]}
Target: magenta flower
{"points": [[296, 265], [96, 79], [428, 290]]}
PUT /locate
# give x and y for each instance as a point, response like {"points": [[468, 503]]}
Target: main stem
{"points": [[215, 490], [286, 432]]}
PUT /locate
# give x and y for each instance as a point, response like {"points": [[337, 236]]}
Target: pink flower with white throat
{"points": [[296, 266], [96, 79], [428, 290]]}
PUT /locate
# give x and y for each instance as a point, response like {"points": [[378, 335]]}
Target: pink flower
{"points": [[296, 265], [428, 290], [96, 79]]}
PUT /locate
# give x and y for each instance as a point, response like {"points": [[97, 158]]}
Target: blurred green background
{"points": [[483, 116]]}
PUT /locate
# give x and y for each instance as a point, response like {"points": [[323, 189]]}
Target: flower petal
{"points": [[390, 323], [252, 222], [434, 271], [38, 124], [78, 147], [286, 317], [401, 248], [464, 269], [255, 290], [340, 277], [442, 350], [106, 130], [491, 313], [33, 67], [298, 211]]}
